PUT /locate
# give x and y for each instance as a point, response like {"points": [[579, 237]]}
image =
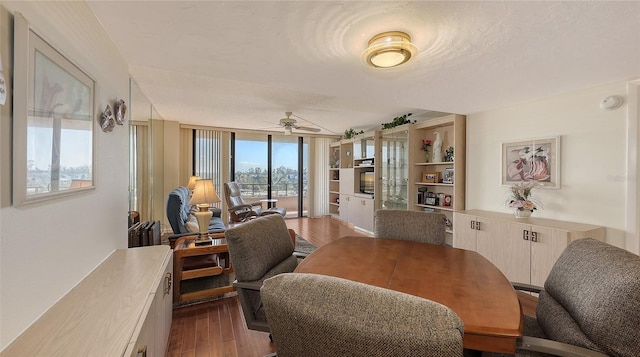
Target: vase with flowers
{"points": [[426, 145], [522, 200]]}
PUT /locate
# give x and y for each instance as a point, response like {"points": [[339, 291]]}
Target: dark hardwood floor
{"points": [[218, 328]]}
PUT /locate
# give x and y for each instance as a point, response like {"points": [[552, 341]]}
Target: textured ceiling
{"points": [[242, 64]]}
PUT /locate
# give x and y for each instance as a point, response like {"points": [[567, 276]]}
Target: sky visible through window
{"points": [[252, 154]]}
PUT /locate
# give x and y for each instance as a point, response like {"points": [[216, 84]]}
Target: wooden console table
{"points": [[122, 308]]}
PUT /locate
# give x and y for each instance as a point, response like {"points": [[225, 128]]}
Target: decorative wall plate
{"points": [[106, 120], [121, 110]]}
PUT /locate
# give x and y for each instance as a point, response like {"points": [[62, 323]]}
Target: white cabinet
{"points": [[122, 308], [354, 185], [357, 210], [523, 249], [361, 210]]}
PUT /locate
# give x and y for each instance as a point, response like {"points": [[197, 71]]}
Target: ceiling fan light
{"points": [[389, 49], [287, 130]]}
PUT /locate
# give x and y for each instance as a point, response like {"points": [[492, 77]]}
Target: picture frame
{"points": [[53, 121], [531, 160], [447, 176], [430, 177]]}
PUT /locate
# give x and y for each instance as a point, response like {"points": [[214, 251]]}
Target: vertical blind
{"points": [[206, 157]]}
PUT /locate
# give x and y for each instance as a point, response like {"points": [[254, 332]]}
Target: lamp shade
{"points": [[204, 193], [192, 182]]}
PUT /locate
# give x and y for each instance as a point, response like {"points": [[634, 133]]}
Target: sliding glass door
{"points": [[268, 168]]}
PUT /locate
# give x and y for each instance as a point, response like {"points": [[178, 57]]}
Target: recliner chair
{"points": [[178, 210], [239, 210]]}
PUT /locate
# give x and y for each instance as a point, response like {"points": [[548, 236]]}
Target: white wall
{"points": [[593, 157], [47, 248]]}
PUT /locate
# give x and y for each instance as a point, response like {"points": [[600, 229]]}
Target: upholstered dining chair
{"points": [[259, 249], [589, 306], [239, 210], [315, 315], [425, 227]]}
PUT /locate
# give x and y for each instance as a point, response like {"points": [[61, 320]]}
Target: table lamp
{"points": [[203, 194], [192, 183]]}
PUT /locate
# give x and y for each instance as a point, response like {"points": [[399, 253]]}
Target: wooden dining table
{"points": [[460, 279]]}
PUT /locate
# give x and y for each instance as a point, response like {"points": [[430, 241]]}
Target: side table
{"points": [[191, 261], [271, 203]]}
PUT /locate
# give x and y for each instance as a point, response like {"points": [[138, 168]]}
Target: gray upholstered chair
{"points": [[590, 304], [316, 315], [259, 249], [425, 227], [239, 210]]}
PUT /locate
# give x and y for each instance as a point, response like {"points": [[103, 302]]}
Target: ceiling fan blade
{"points": [[306, 128]]}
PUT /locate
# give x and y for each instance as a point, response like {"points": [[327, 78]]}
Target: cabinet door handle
{"points": [[525, 234], [477, 226], [473, 224], [167, 284], [142, 352], [534, 236]]}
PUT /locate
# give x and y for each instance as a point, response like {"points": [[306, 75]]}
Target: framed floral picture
{"points": [[532, 160]]}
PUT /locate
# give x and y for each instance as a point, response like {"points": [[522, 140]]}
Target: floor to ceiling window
{"points": [[272, 167]]}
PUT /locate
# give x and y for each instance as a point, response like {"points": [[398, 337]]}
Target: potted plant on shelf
{"points": [[398, 121], [350, 133], [426, 145], [522, 200]]}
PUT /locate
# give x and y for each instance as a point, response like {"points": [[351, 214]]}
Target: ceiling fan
{"points": [[289, 123]]}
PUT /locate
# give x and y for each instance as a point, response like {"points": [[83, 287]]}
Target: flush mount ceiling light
{"points": [[389, 49]]}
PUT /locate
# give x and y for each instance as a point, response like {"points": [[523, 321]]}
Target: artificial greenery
{"points": [[350, 133], [398, 121]]}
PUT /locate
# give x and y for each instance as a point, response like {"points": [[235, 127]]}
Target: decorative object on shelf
{"points": [[448, 157], [426, 145], [532, 160], [335, 159], [401, 120], [430, 177], [389, 49], [106, 120], [437, 147], [121, 109], [348, 153], [447, 177], [522, 200], [350, 133]]}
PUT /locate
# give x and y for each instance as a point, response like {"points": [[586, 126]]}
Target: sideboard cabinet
{"points": [[523, 249], [122, 308]]}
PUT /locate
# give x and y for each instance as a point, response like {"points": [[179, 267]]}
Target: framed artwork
{"points": [[447, 176], [53, 129], [430, 177], [532, 160]]}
